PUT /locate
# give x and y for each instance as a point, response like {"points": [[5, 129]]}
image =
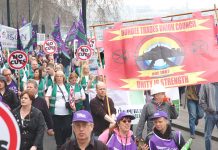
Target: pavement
{"points": [[182, 122]]}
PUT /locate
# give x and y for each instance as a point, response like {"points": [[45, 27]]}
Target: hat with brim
{"points": [[124, 114], [82, 115], [159, 114]]}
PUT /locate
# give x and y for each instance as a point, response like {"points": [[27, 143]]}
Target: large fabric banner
{"points": [[8, 36], [175, 53]]}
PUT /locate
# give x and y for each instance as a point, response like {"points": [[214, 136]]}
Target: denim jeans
{"points": [[210, 121], [195, 112]]}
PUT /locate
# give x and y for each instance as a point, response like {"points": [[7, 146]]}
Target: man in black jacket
{"points": [[6, 95], [40, 103], [82, 127], [99, 108]]}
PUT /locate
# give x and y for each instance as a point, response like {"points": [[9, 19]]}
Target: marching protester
{"points": [[40, 81], [84, 83], [40, 103], [209, 102], [77, 94], [99, 108], [12, 85], [31, 123], [162, 135], [82, 126], [194, 110], [120, 136], [57, 98], [51, 73], [157, 103], [6, 95], [30, 71]]}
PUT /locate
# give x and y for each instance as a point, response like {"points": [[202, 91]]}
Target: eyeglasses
{"points": [[7, 74], [125, 121]]}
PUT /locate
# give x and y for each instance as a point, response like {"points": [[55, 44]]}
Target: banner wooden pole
{"points": [[145, 19], [215, 10], [100, 61]]}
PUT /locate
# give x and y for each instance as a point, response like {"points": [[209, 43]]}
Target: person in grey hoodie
{"points": [[208, 97], [156, 104]]}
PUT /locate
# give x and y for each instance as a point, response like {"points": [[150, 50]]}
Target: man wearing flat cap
{"points": [[82, 126]]}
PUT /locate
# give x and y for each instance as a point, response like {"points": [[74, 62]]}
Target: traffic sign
{"points": [[17, 59], [84, 52], [50, 46], [10, 133]]}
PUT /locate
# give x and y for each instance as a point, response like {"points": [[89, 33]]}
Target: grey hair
{"points": [[32, 81]]}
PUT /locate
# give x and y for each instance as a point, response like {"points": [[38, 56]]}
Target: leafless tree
{"points": [[45, 12]]}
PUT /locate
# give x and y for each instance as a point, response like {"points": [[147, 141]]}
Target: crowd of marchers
{"points": [[52, 95]]}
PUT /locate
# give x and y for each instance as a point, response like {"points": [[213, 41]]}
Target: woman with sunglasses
{"points": [[120, 136]]}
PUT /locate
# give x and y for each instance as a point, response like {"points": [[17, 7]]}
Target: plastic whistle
{"points": [[166, 99]]}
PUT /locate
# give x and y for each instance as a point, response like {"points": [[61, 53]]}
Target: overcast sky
{"points": [[137, 9]]}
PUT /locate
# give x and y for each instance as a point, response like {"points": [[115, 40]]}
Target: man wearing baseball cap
{"points": [[162, 136], [82, 126]]}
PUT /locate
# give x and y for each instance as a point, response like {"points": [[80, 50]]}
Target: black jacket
{"points": [[99, 110], [93, 145], [10, 98], [41, 104], [32, 129]]}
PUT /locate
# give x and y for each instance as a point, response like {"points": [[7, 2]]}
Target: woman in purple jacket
{"points": [[162, 136]]}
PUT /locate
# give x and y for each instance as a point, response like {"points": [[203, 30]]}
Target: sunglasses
{"points": [[125, 121]]}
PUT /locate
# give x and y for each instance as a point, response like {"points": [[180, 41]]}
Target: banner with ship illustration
{"points": [[175, 53]]}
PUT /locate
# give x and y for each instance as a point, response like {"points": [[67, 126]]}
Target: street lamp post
{"points": [[84, 13], [29, 10], [8, 13]]}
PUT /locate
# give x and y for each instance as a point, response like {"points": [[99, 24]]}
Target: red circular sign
{"points": [[10, 133], [17, 59], [84, 52], [50, 46]]}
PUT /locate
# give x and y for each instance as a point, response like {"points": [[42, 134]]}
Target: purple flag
{"points": [[19, 43], [81, 34], [34, 36], [24, 21], [71, 35], [57, 37]]}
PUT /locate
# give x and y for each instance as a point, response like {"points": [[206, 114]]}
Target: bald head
{"points": [[101, 90]]}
